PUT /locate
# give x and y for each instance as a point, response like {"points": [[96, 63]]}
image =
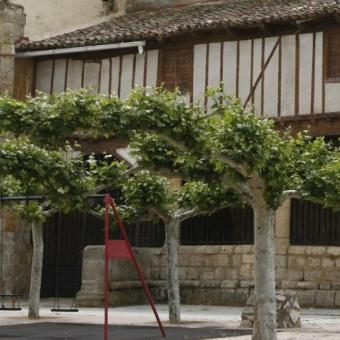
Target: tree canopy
{"points": [[224, 154]]}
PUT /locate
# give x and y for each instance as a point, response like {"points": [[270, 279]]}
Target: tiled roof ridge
{"points": [[166, 22]]}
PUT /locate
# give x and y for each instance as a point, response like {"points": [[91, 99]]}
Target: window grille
{"points": [[333, 54], [227, 226], [177, 69], [312, 224]]}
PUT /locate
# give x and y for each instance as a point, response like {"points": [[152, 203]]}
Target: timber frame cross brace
{"points": [[261, 75]]}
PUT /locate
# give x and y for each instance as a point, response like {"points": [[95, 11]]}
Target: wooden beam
{"points": [[337, 18], [265, 28], [231, 33], [307, 24]]}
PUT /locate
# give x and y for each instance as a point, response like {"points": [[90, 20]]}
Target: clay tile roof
{"points": [[168, 22]]}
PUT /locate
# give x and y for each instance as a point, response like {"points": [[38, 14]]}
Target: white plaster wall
{"points": [[59, 76], [244, 69], [139, 71], [318, 73], [257, 97], [115, 75], [126, 79], [91, 76], [200, 60], [305, 76], [46, 18], [214, 68], [332, 97], [105, 77], [74, 76], [124, 72], [229, 67], [44, 76], [288, 75], [152, 68], [271, 79]]}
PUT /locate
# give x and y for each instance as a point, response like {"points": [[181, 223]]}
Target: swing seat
{"points": [[14, 300], [65, 310]]}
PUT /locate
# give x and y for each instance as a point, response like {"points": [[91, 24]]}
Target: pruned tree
{"points": [[151, 196], [230, 146], [26, 169], [249, 156]]}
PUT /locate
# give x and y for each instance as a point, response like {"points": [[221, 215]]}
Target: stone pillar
{"points": [[12, 23], [282, 239]]}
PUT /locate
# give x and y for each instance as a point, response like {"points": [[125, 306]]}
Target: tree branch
{"points": [[234, 165], [132, 170], [50, 212], [290, 194], [165, 218], [184, 214], [95, 214]]}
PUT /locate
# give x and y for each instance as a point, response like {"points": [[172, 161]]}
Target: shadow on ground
{"points": [[64, 331]]}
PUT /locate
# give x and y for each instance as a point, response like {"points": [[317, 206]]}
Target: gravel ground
{"points": [[318, 324]]}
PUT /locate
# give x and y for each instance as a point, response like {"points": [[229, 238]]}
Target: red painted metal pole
{"points": [[106, 275], [135, 262]]}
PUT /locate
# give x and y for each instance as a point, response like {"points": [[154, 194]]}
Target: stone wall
{"points": [[12, 22], [16, 253], [219, 275]]}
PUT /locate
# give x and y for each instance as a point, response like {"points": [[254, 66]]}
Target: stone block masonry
{"points": [[220, 274], [287, 308], [16, 253], [12, 23]]}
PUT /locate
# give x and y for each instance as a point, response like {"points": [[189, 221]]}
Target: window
{"points": [[177, 69], [333, 54], [227, 226], [313, 225]]}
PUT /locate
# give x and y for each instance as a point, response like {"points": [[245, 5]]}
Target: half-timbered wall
{"points": [[111, 75], [292, 81], [279, 76]]}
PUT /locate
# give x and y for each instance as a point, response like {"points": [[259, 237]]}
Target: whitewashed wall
{"points": [[113, 75], [292, 83], [47, 18]]}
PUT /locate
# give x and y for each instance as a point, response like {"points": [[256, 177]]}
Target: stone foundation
{"points": [[16, 250], [287, 309], [219, 275]]}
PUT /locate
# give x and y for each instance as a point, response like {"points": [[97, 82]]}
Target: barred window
{"points": [[333, 54], [313, 225], [227, 226], [177, 69]]}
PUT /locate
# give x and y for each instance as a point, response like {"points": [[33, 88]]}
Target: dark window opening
{"points": [[333, 54], [313, 225], [227, 226], [177, 69]]}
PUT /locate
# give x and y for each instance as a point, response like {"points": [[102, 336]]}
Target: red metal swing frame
{"points": [[121, 249]]}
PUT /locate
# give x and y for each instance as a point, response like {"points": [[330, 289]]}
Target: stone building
{"points": [[12, 22], [282, 57]]}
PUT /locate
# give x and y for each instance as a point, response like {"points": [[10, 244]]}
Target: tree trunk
{"points": [[172, 245], [36, 271], [265, 295]]}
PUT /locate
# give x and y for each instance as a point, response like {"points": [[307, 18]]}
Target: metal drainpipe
{"points": [[138, 44]]}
